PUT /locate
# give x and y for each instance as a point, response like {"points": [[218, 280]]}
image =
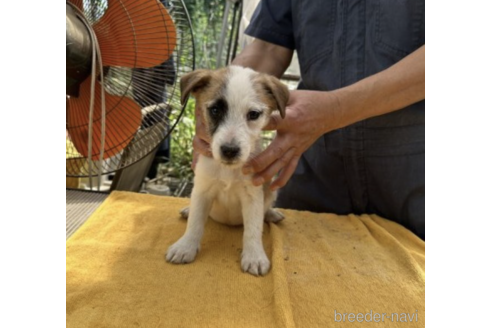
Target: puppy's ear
{"points": [[194, 81], [278, 90]]}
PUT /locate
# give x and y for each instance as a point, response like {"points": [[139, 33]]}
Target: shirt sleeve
{"points": [[272, 22]]}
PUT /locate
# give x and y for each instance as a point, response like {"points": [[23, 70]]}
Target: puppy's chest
{"points": [[229, 182], [223, 180]]}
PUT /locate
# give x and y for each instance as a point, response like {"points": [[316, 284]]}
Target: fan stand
{"points": [[132, 177]]}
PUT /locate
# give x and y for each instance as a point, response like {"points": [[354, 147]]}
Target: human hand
{"points": [[201, 141], [309, 115]]}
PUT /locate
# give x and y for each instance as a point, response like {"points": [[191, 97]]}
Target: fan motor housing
{"points": [[79, 53]]}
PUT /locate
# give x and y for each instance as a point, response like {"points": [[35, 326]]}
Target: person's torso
{"points": [[341, 42]]}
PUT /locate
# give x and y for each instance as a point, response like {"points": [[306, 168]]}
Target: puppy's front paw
{"points": [[256, 263], [183, 251]]}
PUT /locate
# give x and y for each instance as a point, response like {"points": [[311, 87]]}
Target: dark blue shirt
{"points": [[341, 42], [373, 166]]}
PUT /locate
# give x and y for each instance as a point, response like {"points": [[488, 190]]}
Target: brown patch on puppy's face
{"points": [[207, 86], [272, 92]]}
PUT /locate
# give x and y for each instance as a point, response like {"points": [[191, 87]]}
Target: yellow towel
{"points": [[326, 271]]}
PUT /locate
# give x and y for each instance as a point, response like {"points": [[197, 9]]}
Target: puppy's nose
{"points": [[229, 151]]}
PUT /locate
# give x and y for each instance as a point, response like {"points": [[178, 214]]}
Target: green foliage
{"points": [[206, 18], [182, 145]]}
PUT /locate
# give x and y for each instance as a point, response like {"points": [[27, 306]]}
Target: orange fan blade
{"points": [[123, 118], [135, 33]]}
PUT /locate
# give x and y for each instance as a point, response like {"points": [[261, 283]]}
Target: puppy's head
{"points": [[236, 103]]}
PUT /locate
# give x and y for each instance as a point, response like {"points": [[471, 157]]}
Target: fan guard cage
{"points": [[153, 87]]}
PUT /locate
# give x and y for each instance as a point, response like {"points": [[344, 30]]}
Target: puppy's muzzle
{"points": [[230, 152]]}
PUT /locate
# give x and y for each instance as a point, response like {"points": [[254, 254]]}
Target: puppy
{"points": [[236, 103]]}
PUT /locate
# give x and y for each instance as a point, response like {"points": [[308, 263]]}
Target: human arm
{"points": [[310, 114], [265, 57]]}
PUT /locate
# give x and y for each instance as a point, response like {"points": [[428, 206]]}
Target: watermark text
{"points": [[376, 317]]}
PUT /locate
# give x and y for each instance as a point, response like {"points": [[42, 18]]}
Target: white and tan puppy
{"points": [[236, 103]]}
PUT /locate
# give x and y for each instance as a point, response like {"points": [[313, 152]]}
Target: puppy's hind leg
{"points": [[185, 212], [187, 247], [273, 216]]}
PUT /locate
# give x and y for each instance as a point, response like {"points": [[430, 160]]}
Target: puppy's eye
{"points": [[214, 111], [253, 115]]}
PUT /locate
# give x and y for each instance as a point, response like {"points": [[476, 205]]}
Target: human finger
{"points": [[201, 146], [272, 170], [274, 122], [285, 174], [194, 160], [260, 162]]}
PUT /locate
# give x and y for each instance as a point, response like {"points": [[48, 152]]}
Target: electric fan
{"points": [[124, 61]]}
